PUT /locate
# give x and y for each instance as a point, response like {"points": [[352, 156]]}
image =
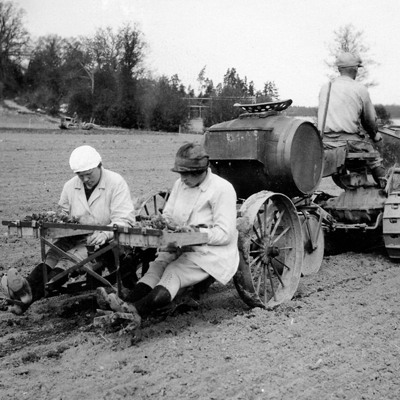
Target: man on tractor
{"points": [[346, 114], [199, 201]]}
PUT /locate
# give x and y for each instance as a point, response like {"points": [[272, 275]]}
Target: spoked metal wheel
{"points": [[153, 203], [314, 243], [271, 250]]}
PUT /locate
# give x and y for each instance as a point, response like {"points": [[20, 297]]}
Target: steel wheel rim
{"points": [[271, 247]]}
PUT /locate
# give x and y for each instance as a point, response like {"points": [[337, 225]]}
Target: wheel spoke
{"points": [[254, 253], [277, 223], [257, 243], [255, 230], [255, 260], [155, 205], [284, 232], [272, 283], [277, 273], [268, 219], [265, 283], [265, 227], [165, 197], [280, 262]]}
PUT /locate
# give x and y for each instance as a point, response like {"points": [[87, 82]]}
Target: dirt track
{"points": [[337, 339]]}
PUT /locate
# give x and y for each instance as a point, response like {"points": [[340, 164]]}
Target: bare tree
{"points": [[132, 51], [106, 48], [13, 40], [113, 52], [348, 39]]}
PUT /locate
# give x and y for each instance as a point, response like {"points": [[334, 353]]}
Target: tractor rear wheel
{"points": [[271, 250]]}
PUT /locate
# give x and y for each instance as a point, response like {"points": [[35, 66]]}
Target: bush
{"points": [[382, 114], [124, 115], [81, 103]]}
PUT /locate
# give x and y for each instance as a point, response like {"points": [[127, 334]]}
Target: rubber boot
{"points": [[127, 268], [157, 298], [202, 287], [26, 290], [36, 280], [18, 287], [130, 263], [32, 288], [139, 291]]}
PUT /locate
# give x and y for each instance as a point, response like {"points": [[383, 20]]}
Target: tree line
{"points": [[103, 78]]}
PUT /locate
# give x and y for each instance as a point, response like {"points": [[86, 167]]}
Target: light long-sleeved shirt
{"points": [[350, 108], [212, 203], [109, 204]]}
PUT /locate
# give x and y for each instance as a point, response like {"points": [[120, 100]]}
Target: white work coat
{"points": [[109, 204], [212, 203]]}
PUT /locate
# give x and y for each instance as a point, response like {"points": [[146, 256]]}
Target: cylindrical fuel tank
{"points": [[257, 152]]}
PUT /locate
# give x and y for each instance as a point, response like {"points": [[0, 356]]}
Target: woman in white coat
{"points": [[94, 196], [199, 201]]}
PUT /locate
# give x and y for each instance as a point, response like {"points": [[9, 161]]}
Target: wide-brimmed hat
{"points": [[191, 157]]}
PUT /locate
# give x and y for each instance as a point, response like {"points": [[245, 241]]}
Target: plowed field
{"points": [[339, 338]]}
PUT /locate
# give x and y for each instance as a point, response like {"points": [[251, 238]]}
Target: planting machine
{"points": [[276, 164]]}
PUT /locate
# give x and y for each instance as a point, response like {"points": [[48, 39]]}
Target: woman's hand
{"points": [[97, 238]]}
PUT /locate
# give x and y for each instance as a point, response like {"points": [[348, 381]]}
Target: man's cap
{"points": [[347, 59], [191, 157], [84, 158]]}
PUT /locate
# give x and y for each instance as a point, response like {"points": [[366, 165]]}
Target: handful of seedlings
{"points": [[51, 216], [157, 222]]}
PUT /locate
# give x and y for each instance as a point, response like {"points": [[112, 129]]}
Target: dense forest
{"points": [[103, 78]]}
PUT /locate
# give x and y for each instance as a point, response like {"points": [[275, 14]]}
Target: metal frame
{"points": [[123, 236], [44, 229]]}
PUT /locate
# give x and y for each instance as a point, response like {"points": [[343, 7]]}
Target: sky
{"points": [[281, 41]]}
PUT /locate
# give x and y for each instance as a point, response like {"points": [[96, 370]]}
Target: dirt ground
{"points": [[339, 337]]}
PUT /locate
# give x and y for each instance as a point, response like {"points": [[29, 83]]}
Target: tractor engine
{"points": [[263, 150]]}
